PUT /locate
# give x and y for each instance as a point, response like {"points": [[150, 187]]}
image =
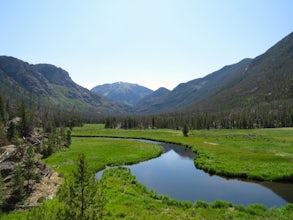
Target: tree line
{"points": [[260, 117]]}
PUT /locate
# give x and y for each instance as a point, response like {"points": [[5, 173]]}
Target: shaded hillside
{"points": [[153, 100], [267, 80], [187, 94], [15, 71], [47, 85], [122, 92]]}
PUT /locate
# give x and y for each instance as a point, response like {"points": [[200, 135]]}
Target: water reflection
{"points": [[174, 174]]}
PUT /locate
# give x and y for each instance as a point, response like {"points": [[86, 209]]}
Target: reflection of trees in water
{"points": [[182, 151], [285, 190]]}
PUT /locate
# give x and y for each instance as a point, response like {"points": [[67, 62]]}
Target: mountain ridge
{"points": [[268, 78], [51, 86], [186, 94], [122, 92], [264, 79]]}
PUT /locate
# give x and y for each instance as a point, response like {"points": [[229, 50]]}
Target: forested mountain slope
{"points": [[267, 80], [264, 80], [186, 94], [153, 100], [47, 85]]}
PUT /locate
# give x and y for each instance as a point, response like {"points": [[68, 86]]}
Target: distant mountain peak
{"points": [[122, 92], [162, 89]]}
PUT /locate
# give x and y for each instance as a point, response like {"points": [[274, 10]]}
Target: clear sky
{"points": [[150, 42]]}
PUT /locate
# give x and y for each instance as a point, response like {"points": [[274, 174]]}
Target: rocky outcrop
{"points": [[42, 188]]}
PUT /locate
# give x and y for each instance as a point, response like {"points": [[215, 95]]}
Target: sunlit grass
{"points": [[264, 154], [102, 152], [259, 153]]}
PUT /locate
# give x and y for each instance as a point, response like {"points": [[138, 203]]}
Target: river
{"points": [[174, 174]]}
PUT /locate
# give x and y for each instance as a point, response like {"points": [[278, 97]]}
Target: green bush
{"points": [[221, 204], [186, 204], [256, 209], [201, 204]]}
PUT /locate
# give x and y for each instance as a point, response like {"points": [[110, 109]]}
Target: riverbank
{"points": [[127, 198], [102, 153], [174, 174], [258, 154]]}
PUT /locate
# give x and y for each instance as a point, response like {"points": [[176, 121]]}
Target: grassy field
{"points": [[102, 152], [262, 154], [126, 198], [99, 153]]}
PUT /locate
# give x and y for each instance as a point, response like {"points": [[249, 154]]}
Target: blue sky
{"points": [[150, 42]]}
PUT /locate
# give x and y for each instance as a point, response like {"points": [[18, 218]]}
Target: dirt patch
{"points": [[283, 154], [46, 189], [211, 143]]}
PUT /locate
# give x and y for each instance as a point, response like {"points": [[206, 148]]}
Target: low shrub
{"points": [[201, 204], [221, 204], [256, 209]]}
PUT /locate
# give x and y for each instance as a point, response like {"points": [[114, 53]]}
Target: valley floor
{"points": [[264, 154], [260, 154]]}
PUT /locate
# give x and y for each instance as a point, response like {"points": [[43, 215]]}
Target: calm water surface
{"points": [[174, 174]]}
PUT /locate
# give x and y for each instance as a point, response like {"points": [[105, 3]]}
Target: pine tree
{"points": [[51, 148], [185, 130], [29, 169], [11, 131], [2, 192], [78, 194], [68, 138], [17, 185], [2, 110], [25, 127]]}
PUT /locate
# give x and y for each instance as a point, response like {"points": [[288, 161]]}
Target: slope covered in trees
{"points": [[186, 94], [50, 87], [26, 136], [267, 81]]}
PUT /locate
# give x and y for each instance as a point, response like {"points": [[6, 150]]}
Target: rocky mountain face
{"points": [[15, 71], [122, 92], [51, 86], [55, 75], [26, 179]]}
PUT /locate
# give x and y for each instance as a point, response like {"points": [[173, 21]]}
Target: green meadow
{"points": [[257, 154], [102, 152], [260, 154], [126, 198]]}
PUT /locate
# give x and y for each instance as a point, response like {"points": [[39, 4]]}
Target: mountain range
{"points": [[192, 92], [122, 92], [50, 86], [268, 78]]}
